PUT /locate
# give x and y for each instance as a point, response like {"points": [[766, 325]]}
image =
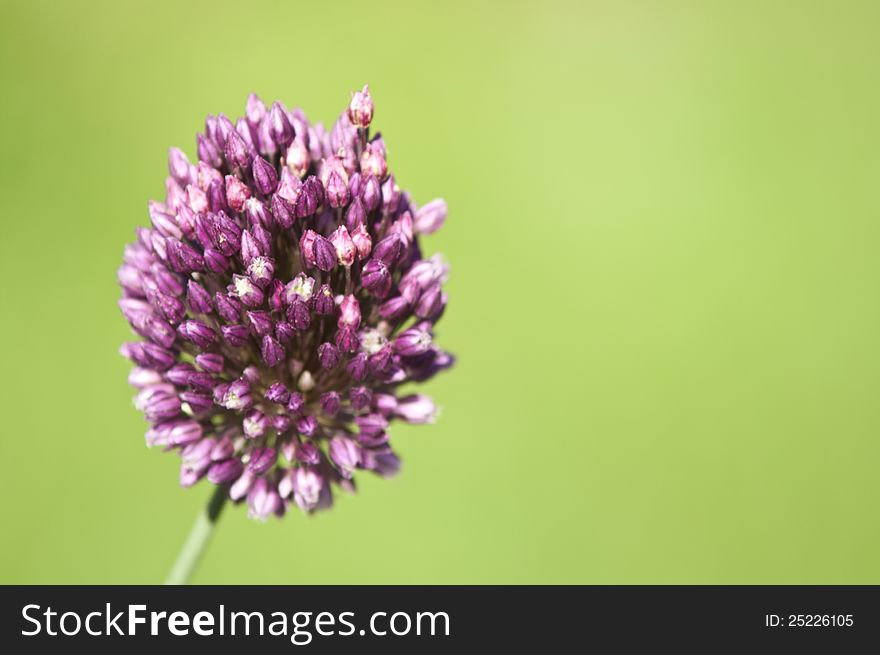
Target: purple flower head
{"points": [[282, 300]]}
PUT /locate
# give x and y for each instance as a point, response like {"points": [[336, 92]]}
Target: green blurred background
{"points": [[664, 244]]}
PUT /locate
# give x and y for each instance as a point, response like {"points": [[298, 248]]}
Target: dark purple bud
{"points": [[202, 381], [197, 401], [179, 373], [210, 362], [197, 332], [278, 393], [360, 109], [260, 271], [395, 309], [328, 355], [307, 248], [357, 367], [376, 278], [337, 190], [371, 424], [225, 471], [295, 402], [228, 308], [284, 332], [282, 212], [330, 403], [310, 198], [371, 193], [265, 177], [275, 292], [215, 261], [148, 355], [235, 335], [279, 126], [298, 315], [324, 304], [238, 151], [272, 351], [347, 340], [249, 247], [166, 281], [216, 194], [208, 151], [169, 307], [360, 397], [345, 454], [225, 234], [355, 215], [381, 360], [307, 426], [160, 406], [246, 291], [412, 342], [262, 459], [260, 322], [182, 257], [388, 249], [237, 193]]}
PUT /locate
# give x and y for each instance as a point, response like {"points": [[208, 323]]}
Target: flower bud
{"points": [[345, 248], [349, 313], [371, 194], [324, 304], [355, 215], [330, 403], [360, 109], [238, 151], [260, 271], [265, 177], [431, 217], [324, 253], [278, 393], [373, 162], [362, 242], [237, 193], [197, 332], [357, 367], [280, 128], [272, 351], [210, 362], [328, 355], [345, 454], [412, 342], [246, 291], [376, 278], [307, 248]]}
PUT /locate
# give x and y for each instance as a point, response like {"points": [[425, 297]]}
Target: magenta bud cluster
{"points": [[283, 299]]}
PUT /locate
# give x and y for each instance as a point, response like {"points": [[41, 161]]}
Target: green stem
{"points": [[197, 541]]}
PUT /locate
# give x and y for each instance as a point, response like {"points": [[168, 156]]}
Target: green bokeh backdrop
{"points": [[664, 239]]}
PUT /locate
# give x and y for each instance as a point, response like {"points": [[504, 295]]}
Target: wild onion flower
{"points": [[283, 300]]}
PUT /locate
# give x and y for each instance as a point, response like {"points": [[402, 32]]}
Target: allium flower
{"points": [[283, 300]]}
